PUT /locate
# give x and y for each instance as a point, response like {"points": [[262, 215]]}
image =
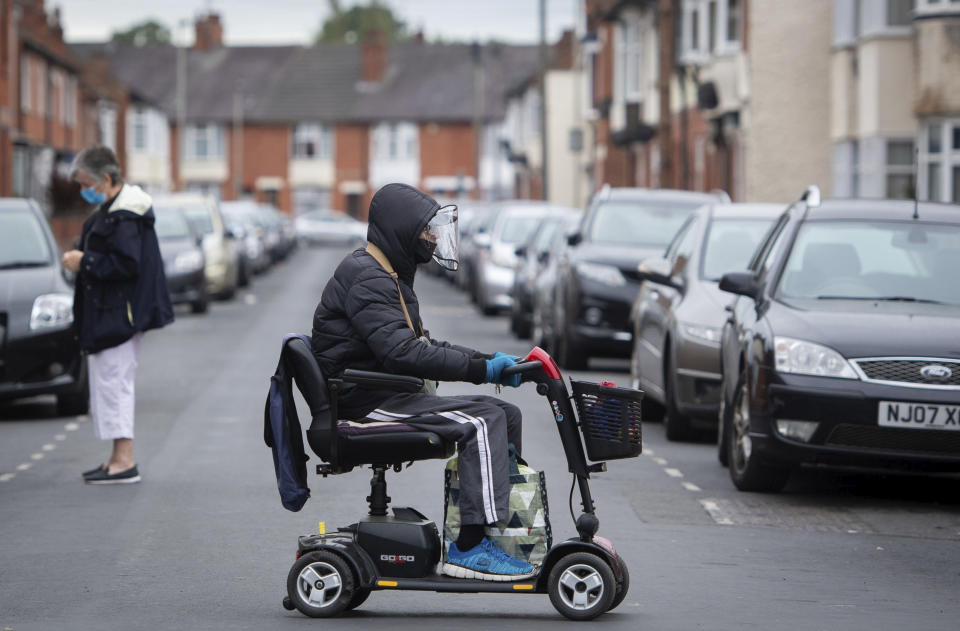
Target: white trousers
{"points": [[113, 372]]}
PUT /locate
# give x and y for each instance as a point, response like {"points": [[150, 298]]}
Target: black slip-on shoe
{"points": [[130, 476], [87, 474]]}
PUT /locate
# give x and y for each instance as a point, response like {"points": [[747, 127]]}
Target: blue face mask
{"points": [[91, 196]]}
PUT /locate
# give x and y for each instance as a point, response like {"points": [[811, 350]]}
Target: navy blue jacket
{"points": [[121, 288]]}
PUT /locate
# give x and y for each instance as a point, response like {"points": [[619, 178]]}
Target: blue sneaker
{"points": [[487, 562]]}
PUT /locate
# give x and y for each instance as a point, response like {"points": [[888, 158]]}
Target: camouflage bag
{"points": [[525, 532]]}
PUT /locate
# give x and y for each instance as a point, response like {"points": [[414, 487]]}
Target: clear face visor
{"points": [[444, 230]]}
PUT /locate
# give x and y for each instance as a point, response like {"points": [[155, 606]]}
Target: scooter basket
{"points": [[609, 420]]}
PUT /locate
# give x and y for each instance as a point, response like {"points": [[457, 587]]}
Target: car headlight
{"points": [[709, 334], [606, 274], [806, 358], [51, 310], [188, 261]]}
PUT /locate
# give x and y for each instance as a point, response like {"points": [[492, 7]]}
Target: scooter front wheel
{"points": [[320, 584], [581, 586]]}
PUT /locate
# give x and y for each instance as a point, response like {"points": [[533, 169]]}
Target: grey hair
{"points": [[98, 161]]}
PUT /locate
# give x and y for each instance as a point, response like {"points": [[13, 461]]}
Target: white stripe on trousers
{"points": [[488, 492], [486, 477]]}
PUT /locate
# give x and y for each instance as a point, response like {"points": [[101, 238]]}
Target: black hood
{"points": [[398, 213]]}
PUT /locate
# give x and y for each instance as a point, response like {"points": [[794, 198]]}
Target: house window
{"points": [[204, 142], [312, 142], [937, 6], [140, 129], [70, 101], [709, 27], [899, 183], [395, 141], [899, 12], [939, 160], [629, 58], [26, 101]]}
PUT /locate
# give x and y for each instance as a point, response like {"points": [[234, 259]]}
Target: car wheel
{"points": [[320, 584], [519, 325], [746, 473], [75, 403], [536, 330], [581, 586], [675, 424], [569, 354], [650, 410], [723, 429], [201, 304]]}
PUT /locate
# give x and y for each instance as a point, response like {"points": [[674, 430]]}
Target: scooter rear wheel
{"points": [[320, 584], [581, 586]]}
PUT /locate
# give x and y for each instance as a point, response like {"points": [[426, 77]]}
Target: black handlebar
{"points": [[521, 367]]}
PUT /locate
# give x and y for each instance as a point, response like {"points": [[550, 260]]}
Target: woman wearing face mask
{"points": [[121, 291]]}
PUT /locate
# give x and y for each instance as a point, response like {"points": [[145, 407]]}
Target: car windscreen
{"points": [[22, 240], [199, 218], [648, 224], [518, 229], [730, 245], [905, 261], [541, 243], [171, 224]]}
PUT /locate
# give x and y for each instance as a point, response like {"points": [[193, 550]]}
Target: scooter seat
{"points": [[371, 443]]}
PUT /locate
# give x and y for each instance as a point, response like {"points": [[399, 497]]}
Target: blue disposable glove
{"points": [[499, 354], [496, 365]]}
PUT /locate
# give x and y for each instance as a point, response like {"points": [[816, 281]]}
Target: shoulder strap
{"points": [[381, 258]]}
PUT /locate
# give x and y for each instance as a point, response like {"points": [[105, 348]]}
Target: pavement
{"points": [[203, 542]]}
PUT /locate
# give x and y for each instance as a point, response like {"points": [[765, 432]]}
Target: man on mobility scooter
{"points": [[369, 319]]}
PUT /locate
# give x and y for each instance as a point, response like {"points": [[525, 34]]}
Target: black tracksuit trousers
{"points": [[483, 426]]}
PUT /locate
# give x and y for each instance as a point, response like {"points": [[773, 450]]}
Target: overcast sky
{"points": [[297, 21]]}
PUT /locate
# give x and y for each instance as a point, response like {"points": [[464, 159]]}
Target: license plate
{"points": [[918, 415]]}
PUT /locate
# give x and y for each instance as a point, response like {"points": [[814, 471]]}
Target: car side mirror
{"points": [[657, 270], [741, 283], [521, 251], [483, 240], [575, 238]]}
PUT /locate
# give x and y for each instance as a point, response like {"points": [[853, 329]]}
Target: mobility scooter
{"points": [[337, 571]]}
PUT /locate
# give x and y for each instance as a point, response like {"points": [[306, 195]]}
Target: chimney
{"points": [[563, 52], [209, 32], [374, 61]]}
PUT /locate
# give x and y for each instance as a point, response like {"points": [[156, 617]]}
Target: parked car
{"points": [[497, 256], [482, 216], [275, 236], [285, 227], [677, 318], [244, 222], [220, 249], [531, 258], [599, 280], [182, 250], [544, 302], [38, 351], [841, 347], [331, 227]]}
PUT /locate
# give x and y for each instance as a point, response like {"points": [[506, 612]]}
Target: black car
{"points": [[599, 281], [38, 351], [183, 261], [843, 347], [531, 257]]}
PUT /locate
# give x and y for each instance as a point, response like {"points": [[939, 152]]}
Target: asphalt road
{"points": [[203, 542]]}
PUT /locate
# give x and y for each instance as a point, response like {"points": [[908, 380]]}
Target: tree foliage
{"points": [[143, 33], [352, 25]]}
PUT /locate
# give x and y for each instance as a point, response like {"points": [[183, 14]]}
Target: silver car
{"points": [[219, 246], [678, 316], [497, 250]]}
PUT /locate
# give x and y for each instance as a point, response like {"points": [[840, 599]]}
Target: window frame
{"points": [[948, 159], [214, 138], [320, 134]]}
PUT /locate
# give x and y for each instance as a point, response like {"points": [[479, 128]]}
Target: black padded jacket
{"points": [[359, 322]]}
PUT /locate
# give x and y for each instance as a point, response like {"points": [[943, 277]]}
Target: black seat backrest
{"points": [[313, 387]]}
